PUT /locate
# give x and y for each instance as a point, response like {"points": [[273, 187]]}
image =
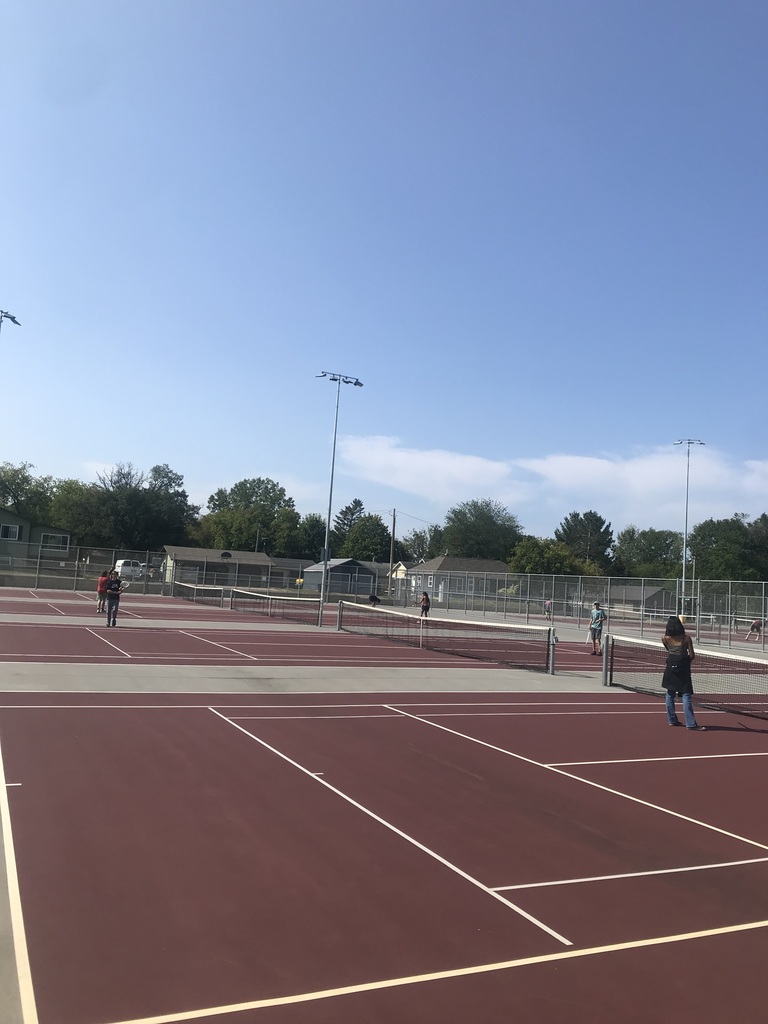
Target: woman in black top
{"points": [[424, 604], [677, 673]]}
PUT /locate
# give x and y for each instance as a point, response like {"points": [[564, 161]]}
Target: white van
{"points": [[128, 569]]}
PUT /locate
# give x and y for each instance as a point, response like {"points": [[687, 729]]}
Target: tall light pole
{"points": [[686, 441], [338, 379]]}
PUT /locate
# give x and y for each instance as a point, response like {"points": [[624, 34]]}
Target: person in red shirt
{"points": [[101, 591]]}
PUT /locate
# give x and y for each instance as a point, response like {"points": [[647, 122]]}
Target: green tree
{"points": [[244, 516], [284, 539], [343, 523], [758, 537], [588, 536], [169, 510], [421, 545], [311, 537], [126, 509], [723, 549], [533, 555], [25, 494], [368, 540], [481, 529], [79, 509], [650, 553], [141, 511]]}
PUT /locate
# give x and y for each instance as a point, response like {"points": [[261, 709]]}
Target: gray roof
{"points": [[353, 563], [452, 563], [181, 554]]}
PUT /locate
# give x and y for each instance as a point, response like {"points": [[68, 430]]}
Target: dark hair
{"points": [[675, 626]]}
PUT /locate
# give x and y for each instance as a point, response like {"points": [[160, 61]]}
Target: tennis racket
{"points": [[124, 584]]}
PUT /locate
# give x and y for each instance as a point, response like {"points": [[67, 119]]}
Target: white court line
{"points": [[222, 646], [588, 782], [459, 972], [398, 832], [56, 609], [100, 636], [644, 760], [23, 972], [630, 874], [303, 718], [545, 714]]}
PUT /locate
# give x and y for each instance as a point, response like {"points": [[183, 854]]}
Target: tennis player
{"points": [[101, 591], [114, 589], [596, 619], [677, 673], [756, 628]]}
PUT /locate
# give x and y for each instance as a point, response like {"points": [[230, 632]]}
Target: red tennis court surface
{"points": [[430, 858], [146, 634]]}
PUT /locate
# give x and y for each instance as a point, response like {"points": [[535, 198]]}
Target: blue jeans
{"points": [[690, 718]]}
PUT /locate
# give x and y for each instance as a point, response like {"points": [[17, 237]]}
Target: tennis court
{"points": [[384, 850]]}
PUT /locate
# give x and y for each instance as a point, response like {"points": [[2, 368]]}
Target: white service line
{"points": [[586, 782], [23, 972], [393, 828], [302, 718], [56, 609], [644, 760], [631, 874], [109, 642], [223, 647]]}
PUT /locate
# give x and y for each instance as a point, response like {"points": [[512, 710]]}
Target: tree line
{"points": [[138, 511]]}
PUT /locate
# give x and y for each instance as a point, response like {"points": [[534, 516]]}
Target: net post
{"points": [[421, 632], [551, 644], [339, 614], [606, 646]]}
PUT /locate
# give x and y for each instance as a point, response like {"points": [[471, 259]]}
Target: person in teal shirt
{"points": [[597, 618]]}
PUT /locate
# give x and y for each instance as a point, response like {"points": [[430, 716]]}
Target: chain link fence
{"points": [[718, 612]]}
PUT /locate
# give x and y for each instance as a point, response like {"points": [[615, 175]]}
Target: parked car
{"points": [[129, 569]]}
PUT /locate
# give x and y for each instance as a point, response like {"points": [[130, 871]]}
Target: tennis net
{"points": [[291, 609], [726, 682], [503, 643], [199, 594]]}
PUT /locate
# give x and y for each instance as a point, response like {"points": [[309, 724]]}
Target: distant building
{"points": [[454, 577], [20, 539]]}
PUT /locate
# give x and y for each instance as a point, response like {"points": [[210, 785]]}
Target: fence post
{"points": [[37, 570], [642, 605]]}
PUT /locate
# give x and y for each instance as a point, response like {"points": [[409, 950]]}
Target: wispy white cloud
{"points": [[646, 488]]}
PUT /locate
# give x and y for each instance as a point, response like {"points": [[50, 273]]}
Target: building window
{"points": [[10, 531], [55, 541], [430, 582]]}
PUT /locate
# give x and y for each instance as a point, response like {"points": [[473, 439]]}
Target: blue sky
{"points": [[536, 231]]}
